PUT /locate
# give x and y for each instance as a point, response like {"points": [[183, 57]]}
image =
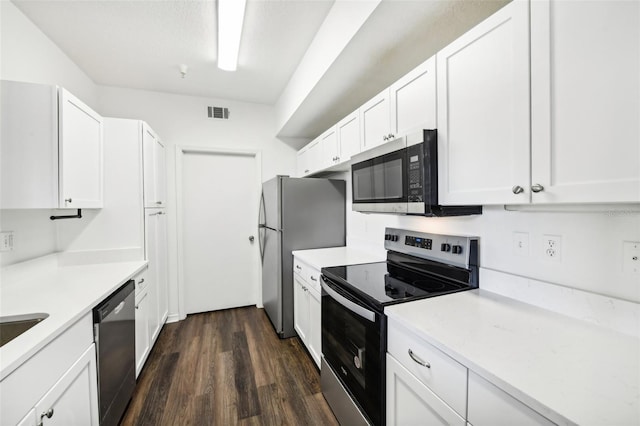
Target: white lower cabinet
{"points": [[143, 337], [306, 308], [491, 406], [73, 400], [56, 386], [411, 402]]}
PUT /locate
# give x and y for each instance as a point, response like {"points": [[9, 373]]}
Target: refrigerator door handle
{"points": [[261, 225]]}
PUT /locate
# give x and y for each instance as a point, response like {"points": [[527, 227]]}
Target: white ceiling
{"points": [[141, 43]]}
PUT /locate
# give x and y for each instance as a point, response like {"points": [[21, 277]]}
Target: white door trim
{"points": [[180, 152]]}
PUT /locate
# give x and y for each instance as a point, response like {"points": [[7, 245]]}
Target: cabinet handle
{"points": [[417, 360], [391, 136], [68, 200], [48, 414], [306, 171], [337, 158], [298, 267], [158, 202], [537, 188], [385, 137], [314, 278], [141, 281], [517, 189]]}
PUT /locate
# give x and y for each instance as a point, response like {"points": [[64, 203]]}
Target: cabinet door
{"points": [[161, 173], [154, 169], [80, 154], [585, 95], [410, 402], [348, 131], [73, 400], [375, 126], [315, 326], [330, 149], [162, 274], [413, 100], [314, 156], [302, 162], [29, 419], [300, 309], [142, 330], [483, 111], [151, 246], [29, 147]]}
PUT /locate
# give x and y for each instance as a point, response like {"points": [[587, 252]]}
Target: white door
{"points": [[219, 215]]}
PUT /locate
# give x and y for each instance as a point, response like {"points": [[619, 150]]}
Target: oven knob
{"points": [[456, 249], [356, 362], [394, 238], [387, 236], [445, 247]]}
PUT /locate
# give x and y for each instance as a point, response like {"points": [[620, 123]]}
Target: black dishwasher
{"points": [[114, 333]]}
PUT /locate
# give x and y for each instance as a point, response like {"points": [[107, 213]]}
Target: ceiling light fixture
{"points": [[230, 18]]}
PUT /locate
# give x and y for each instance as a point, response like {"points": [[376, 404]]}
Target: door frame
{"points": [[180, 152]]}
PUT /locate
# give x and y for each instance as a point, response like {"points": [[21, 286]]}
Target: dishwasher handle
{"points": [[113, 303]]}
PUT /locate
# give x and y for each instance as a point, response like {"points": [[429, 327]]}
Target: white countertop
{"points": [[568, 370], [336, 256], [65, 293]]}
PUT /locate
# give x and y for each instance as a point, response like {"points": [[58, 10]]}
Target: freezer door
{"points": [[271, 277], [270, 205]]}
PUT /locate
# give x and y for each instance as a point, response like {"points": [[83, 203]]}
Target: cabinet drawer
{"points": [[312, 277], [489, 405], [21, 389], [444, 376], [142, 280], [298, 267]]}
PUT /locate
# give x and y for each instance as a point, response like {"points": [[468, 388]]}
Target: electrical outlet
{"points": [[521, 243], [6, 241], [552, 247], [631, 259]]}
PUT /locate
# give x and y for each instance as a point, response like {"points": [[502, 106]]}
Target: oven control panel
{"points": [[451, 249]]}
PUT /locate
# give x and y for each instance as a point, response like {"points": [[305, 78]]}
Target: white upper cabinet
{"points": [[413, 100], [585, 94], [80, 154], [375, 122], [348, 131], [330, 148], [310, 158], [155, 181], [51, 149], [483, 111]]}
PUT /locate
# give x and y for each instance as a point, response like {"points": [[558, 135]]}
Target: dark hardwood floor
{"points": [[227, 368]]}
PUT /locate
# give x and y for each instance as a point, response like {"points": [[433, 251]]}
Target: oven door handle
{"points": [[351, 306]]}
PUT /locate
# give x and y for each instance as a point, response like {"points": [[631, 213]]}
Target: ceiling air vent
{"points": [[218, 112]]}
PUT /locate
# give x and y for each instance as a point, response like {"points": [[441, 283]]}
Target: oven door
{"points": [[379, 182], [354, 346]]}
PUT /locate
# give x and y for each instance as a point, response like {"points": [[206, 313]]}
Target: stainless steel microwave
{"points": [[401, 177]]}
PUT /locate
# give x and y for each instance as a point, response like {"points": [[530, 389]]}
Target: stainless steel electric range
{"points": [[354, 326]]}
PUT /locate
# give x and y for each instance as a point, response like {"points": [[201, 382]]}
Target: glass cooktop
{"points": [[385, 283]]}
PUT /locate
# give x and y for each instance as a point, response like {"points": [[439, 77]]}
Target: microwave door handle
{"points": [[353, 307]]}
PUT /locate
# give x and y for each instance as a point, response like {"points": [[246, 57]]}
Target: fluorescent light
{"points": [[230, 17]]}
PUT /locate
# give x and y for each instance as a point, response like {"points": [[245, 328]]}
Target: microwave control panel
{"points": [[415, 173]]}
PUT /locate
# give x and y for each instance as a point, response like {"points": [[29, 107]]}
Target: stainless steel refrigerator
{"points": [[295, 214]]}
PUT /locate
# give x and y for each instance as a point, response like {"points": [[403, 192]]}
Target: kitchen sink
{"points": [[14, 325]]}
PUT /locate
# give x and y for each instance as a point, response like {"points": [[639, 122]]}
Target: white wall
{"points": [[182, 121], [591, 257]]}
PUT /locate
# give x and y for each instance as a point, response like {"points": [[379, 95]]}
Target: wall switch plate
{"points": [[521, 244], [6, 240], [631, 260], [552, 247]]}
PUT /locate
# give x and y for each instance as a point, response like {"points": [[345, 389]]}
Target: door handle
{"points": [[251, 238]]}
